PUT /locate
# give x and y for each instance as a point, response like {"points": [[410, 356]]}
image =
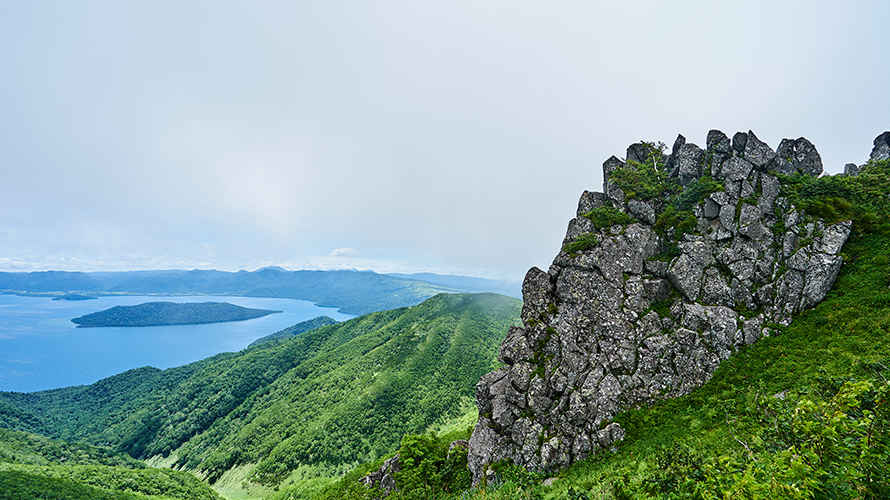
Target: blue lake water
{"points": [[40, 348]]}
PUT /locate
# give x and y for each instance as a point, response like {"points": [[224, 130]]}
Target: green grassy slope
{"points": [[330, 398]]}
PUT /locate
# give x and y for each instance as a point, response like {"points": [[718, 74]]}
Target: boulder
{"points": [[719, 147], [739, 141], [688, 163], [637, 152], [757, 152], [669, 165], [797, 156]]}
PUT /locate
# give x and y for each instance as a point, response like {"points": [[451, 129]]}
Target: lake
{"points": [[40, 348]]}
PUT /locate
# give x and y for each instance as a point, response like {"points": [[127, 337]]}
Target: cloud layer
{"points": [[422, 137]]}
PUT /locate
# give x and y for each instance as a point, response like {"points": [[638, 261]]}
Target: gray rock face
{"points": [[626, 323], [881, 150], [795, 156], [739, 141], [669, 165], [637, 152], [758, 152], [688, 162], [384, 478]]}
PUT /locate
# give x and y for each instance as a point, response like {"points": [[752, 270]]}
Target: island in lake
{"points": [[170, 313], [75, 296]]}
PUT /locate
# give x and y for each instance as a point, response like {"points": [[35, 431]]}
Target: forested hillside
{"points": [[326, 399], [33, 466], [293, 331]]}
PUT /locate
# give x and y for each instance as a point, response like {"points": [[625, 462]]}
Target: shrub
{"points": [[582, 243], [604, 217]]}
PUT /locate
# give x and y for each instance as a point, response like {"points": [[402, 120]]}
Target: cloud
{"points": [[344, 252]]}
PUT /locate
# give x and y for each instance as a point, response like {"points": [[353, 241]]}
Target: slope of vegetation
{"points": [[293, 331], [169, 313], [104, 482], [322, 401], [31, 449], [37, 467]]}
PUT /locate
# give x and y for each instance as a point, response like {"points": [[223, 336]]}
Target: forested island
{"points": [[169, 313]]}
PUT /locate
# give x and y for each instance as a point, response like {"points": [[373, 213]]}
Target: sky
{"points": [[397, 136]]}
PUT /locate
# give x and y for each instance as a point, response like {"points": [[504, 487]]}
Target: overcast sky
{"points": [[452, 137]]}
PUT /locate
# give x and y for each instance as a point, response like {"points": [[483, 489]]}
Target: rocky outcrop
{"points": [[384, 478], [881, 151], [651, 309]]}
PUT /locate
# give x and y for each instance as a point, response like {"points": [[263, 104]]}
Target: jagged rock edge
{"points": [[592, 345]]}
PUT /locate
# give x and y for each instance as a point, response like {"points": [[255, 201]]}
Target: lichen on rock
{"points": [[712, 259]]}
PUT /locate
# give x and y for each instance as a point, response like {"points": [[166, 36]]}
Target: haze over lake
{"points": [[40, 348]]}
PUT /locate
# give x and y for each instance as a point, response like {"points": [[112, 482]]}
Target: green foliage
{"points": [[695, 192], [428, 468], [662, 307], [293, 331], [681, 222], [508, 472], [112, 481], [580, 244], [861, 199], [605, 217], [677, 215], [31, 449], [19, 485], [645, 181], [49, 468], [602, 217], [805, 445]]}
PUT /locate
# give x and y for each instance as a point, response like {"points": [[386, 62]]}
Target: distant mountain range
{"points": [[467, 283], [353, 292]]}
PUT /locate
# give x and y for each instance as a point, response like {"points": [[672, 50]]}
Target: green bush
{"points": [[580, 244], [605, 217]]}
